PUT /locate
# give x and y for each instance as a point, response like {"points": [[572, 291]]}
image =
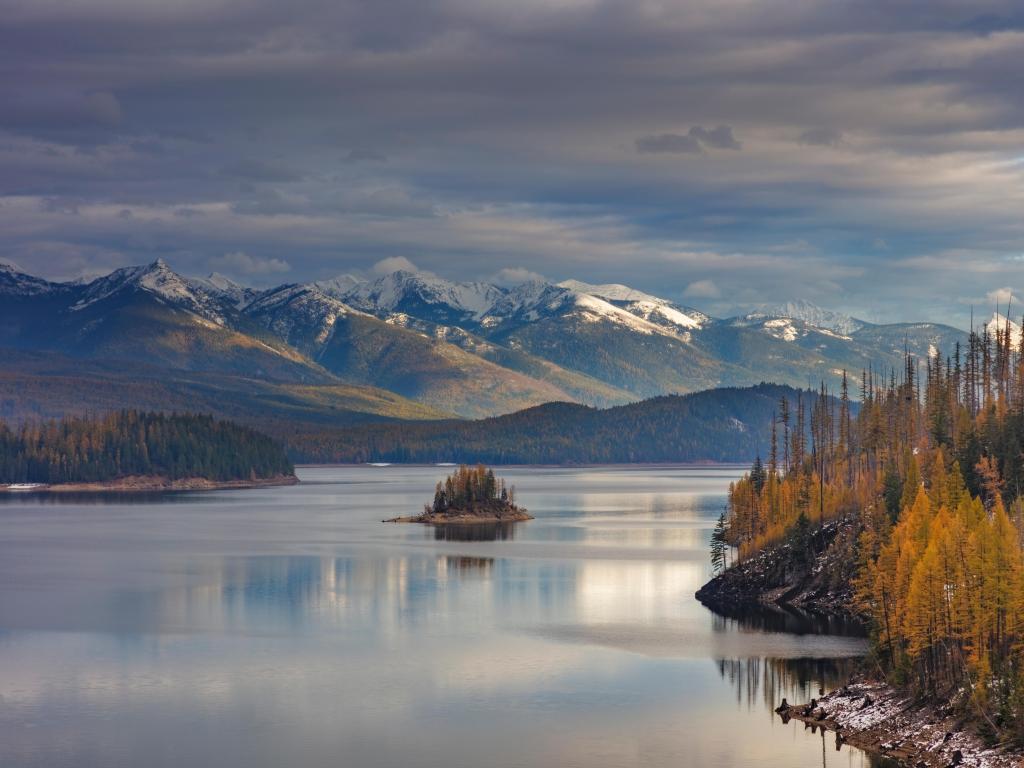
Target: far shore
{"points": [[144, 483], [449, 465]]}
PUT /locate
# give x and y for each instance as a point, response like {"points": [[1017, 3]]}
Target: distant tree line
{"points": [[132, 443], [470, 488], [727, 425]]}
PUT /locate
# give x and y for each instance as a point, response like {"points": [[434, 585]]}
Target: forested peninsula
{"points": [[909, 515], [133, 450]]}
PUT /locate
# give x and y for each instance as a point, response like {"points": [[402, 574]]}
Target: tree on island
{"points": [[470, 489]]}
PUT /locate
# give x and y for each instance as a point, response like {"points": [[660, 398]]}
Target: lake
{"points": [[290, 627]]}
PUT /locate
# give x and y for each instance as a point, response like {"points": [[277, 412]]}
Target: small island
{"points": [[470, 495]]}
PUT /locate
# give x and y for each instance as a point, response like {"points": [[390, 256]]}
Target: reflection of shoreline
{"points": [[788, 619], [475, 532], [766, 681]]}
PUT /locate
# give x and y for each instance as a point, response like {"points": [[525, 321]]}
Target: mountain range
{"points": [[404, 345]]}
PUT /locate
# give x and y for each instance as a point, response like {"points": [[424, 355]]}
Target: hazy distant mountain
{"points": [[727, 424], [468, 348]]}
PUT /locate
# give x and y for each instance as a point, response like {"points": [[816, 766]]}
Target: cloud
{"points": [[1000, 296], [491, 160], [821, 136], [397, 264], [702, 289], [516, 275], [669, 143], [241, 263], [692, 143], [719, 137]]}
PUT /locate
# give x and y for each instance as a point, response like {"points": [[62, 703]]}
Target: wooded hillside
{"points": [[132, 443]]}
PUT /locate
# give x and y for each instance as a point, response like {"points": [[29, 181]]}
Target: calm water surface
{"points": [[289, 627]]}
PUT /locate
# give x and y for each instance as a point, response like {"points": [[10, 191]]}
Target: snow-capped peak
{"points": [[999, 324], [809, 313], [338, 286], [643, 305], [611, 291], [161, 281], [239, 295], [14, 282], [394, 291]]}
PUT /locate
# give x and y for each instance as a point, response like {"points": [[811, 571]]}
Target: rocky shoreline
{"points": [[879, 719], [142, 484], [467, 517], [866, 713], [776, 578]]}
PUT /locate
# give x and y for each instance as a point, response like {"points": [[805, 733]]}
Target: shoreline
{"points": [[867, 713], [517, 515], [881, 720], [153, 484], [448, 465]]}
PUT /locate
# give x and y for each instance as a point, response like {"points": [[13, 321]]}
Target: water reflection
{"points": [[94, 498], [762, 683], [290, 627], [475, 532], [787, 619]]}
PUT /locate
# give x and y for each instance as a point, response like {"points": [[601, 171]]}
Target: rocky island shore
{"points": [[470, 496]]}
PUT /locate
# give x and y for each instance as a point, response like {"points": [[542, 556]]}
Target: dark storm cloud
{"points": [[478, 135]]}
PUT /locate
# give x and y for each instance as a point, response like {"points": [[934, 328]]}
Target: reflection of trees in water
{"points": [[96, 498], [465, 564], [475, 532], [765, 681], [763, 618]]}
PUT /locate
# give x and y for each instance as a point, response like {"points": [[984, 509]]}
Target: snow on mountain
{"points": [[527, 302], [339, 286], [610, 291], [13, 281], [294, 311], [643, 305], [239, 295], [533, 301], [999, 324], [398, 290], [806, 312], [162, 282]]}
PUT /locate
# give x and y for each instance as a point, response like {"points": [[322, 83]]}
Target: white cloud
{"points": [[1000, 296], [241, 263], [516, 275], [702, 289], [397, 264]]}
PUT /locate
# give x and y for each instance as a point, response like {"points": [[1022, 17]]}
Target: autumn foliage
{"points": [[929, 471]]}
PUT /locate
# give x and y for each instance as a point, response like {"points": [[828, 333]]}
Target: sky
{"points": [[866, 156]]}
